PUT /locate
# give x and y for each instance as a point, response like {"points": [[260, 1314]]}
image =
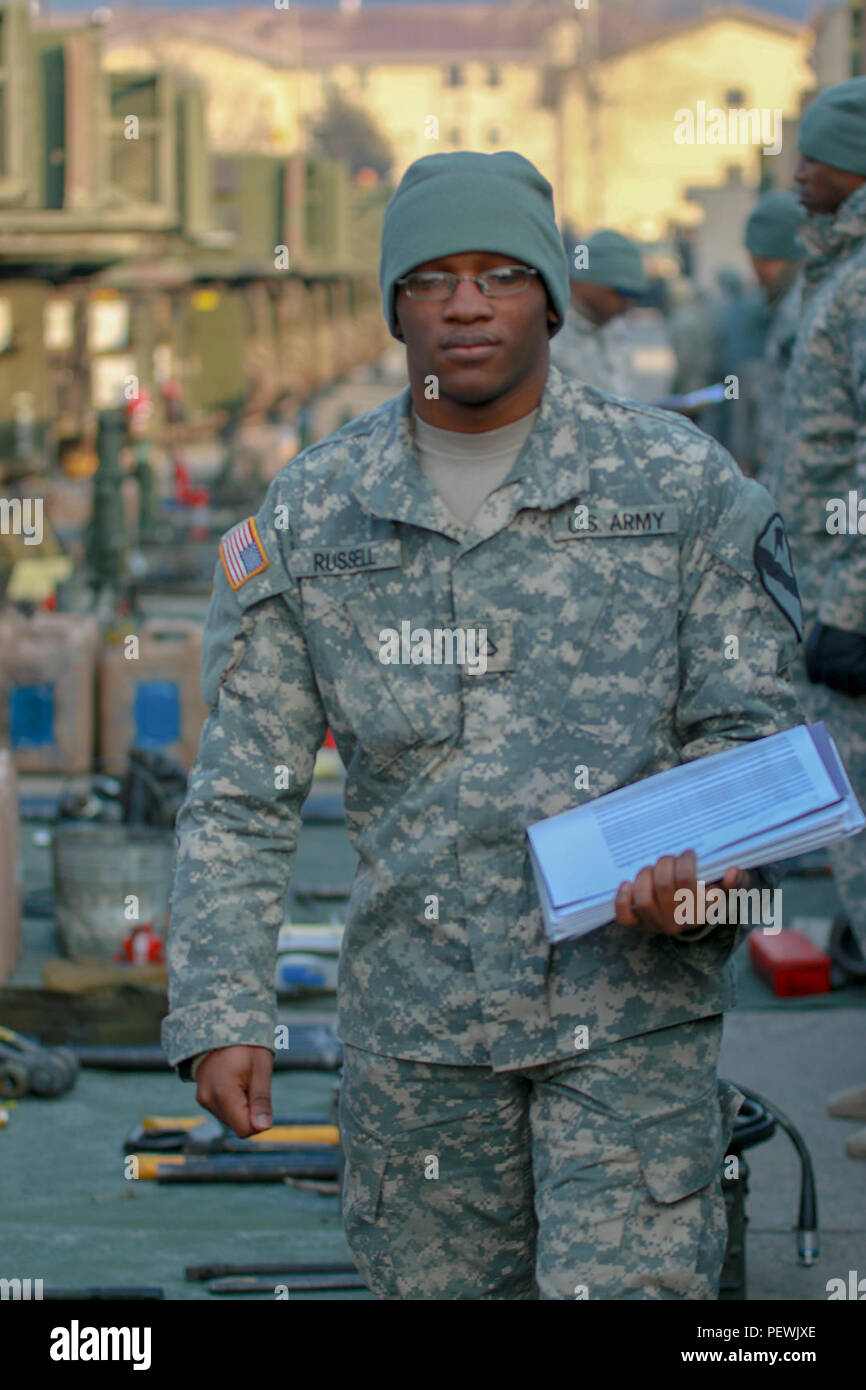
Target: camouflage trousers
{"points": [[597, 1176], [845, 717]]}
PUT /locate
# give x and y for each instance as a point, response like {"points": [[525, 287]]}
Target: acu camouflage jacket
{"points": [[822, 454], [611, 571]]}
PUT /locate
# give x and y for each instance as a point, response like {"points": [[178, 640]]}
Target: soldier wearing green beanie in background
{"points": [[777, 254], [607, 275], [821, 459], [519, 1119]]}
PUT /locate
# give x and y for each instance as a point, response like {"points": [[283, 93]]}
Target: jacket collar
{"points": [[835, 234], [551, 468]]}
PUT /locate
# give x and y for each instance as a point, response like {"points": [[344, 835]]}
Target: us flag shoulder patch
{"points": [[242, 553]]}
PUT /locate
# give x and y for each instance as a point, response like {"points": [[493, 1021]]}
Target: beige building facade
{"points": [[598, 101]]}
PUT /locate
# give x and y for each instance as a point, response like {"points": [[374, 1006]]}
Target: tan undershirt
{"points": [[465, 468]]}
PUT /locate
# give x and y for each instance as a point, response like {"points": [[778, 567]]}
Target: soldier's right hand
{"points": [[234, 1083]]}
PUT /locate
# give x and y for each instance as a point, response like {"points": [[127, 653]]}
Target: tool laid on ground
{"points": [[230, 1167], [206, 1135], [107, 1293], [292, 1283], [28, 1068], [225, 1271], [313, 1046], [154, 1124]]}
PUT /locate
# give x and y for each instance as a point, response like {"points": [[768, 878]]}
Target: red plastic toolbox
{"points": [[789, 962]]}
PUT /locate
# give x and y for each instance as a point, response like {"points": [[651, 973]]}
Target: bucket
{"points": [[97, 870], [47, 676], [153, 700]]}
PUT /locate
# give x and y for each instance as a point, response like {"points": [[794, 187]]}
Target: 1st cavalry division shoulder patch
{"points": [[772, 556], [242, 553]]}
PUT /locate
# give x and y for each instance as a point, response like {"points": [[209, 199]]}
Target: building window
{"points": [[494, 76], [137, 137], [454, 75], [494, 135], [735, 97], [454, 135], [59, 325]]}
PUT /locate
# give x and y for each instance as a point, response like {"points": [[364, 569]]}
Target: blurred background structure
{"points": [[191, 196]]}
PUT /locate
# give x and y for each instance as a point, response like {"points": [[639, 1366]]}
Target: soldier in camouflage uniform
{"points": [[606, 275], [821, 460], [776, 254], [519, 1119]]}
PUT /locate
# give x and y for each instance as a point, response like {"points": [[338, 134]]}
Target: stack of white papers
{"points": [[767, 800]]}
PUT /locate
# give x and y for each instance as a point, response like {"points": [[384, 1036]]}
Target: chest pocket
{"points": [[361, 612]]}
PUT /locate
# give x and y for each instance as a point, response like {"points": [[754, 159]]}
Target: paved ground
{"points": [[70, 1217]]}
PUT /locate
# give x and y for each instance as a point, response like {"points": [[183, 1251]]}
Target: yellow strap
{"points": [[148, 1163], [298, 1134], [156, 1122]]}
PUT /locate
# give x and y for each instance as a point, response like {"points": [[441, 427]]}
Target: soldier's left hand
{"points": [[649, 901]]}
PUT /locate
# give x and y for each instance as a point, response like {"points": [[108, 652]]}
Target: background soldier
{"points": [[739, 317], [822, 456], [518, 1119], [602, 291], [777, 254]]}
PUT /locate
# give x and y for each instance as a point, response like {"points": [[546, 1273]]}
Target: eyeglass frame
{"points": [[478, 279]]}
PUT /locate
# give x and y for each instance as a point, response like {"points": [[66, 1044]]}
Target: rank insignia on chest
{"points": [[242, 553]]}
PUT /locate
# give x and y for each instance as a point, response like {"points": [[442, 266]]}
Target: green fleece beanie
{"points": [[771, 231], [449, 203], [611, 259], [833, 127]]}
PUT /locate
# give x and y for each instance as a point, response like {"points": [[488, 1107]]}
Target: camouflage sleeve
{"points": [[738, 635], [740, 623], [842, 601], [238, 827]]}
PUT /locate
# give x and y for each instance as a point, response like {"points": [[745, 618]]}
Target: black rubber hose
{"points": [[807, 1221], [754, 1124]]}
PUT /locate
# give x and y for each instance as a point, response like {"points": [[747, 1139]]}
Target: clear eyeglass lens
{"points": [[440, 284], [433, 285], [506, 279]]}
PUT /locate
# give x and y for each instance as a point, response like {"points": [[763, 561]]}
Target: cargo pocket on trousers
{"points": [[681, 1231], [681, 1151], [366, 1159], [362, 1179]]}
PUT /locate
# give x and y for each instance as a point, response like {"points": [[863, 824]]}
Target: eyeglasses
{"points": [[441, 284]]}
